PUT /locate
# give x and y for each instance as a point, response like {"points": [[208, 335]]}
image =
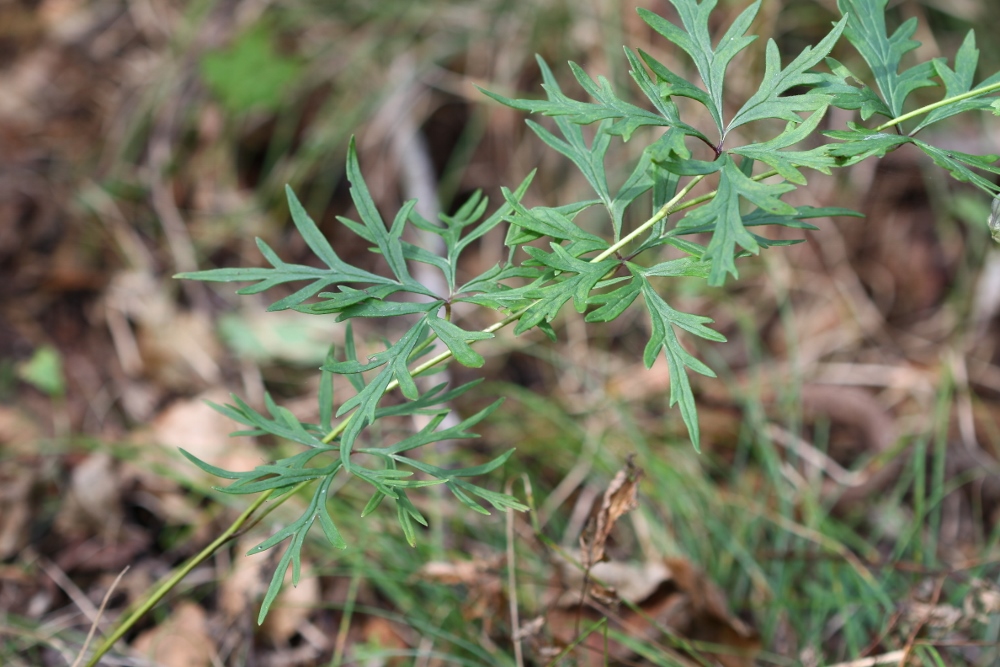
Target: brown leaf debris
{"points": [[619, 498]]}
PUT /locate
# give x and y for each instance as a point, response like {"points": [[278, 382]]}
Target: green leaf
{"points": [[861, 143], [958, 165], [670, 154], [283, 423], [655, 94], [388, 241], [770, 101], [959, 81], [664, 319], [458, 486], [787, 162], [325, 394], [695, 39], [334, 302], [544, 221], [614, 303], [293, 554], [607, 106], [455, 338], [845, 95], [671, 85], [551, 298], [395, 361], [866, 30], [430, 433], [44, 371], [282, 272], [722, 215], [250, 74], [675, 268], [377, 308]]}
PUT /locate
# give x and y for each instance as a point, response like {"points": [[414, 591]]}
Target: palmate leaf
{"points": [[664, 319], [453, 231], [695, 39], [338, 271], [958, 81], [454, 337], [788, 162], [847, 91], [283, 423], [297, 531], [578, 278], [395, 359], [770, 100], [722, 216], [866, 30], [860, 143], [628, 117]]}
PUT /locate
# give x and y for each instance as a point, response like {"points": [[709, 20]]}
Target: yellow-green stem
{"points": [[184, 570], [937, 105], [664, 211]]}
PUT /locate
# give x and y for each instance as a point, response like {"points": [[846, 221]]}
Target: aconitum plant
{"points": [[552, 260]]}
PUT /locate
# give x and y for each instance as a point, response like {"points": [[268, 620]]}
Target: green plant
{"points": [[553, 259]]}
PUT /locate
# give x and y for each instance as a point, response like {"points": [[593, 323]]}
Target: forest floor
{"points": [[845, 506]]}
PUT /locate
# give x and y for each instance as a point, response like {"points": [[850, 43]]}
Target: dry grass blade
{"points": [[100, 610]]}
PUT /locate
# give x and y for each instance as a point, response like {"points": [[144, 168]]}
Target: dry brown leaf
{"points": [[16, 483], [671, 595], [381, 632], [19, 433], [93, 499], [619, 498], [484, 598], [468, 572], [176, 349], [182, 641]]}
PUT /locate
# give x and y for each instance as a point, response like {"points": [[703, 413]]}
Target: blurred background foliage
{"points": [[849, 480]]}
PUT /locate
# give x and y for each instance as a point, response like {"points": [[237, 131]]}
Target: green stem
{"points": [[185, 569], [937, 105], [664, 211], [711, 195]]}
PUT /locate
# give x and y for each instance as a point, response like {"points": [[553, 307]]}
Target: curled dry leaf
{"points": [[619, 498], [484, 599], [654, 600], [93, 499], [16, 483]]}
